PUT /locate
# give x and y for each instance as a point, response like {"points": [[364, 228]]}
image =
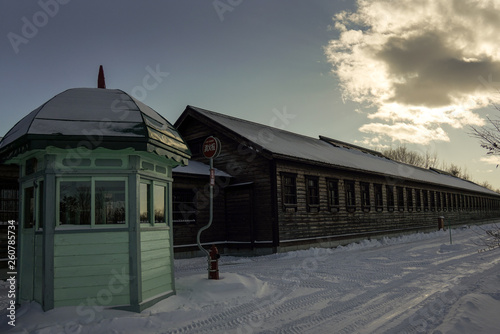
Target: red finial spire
{"points": [[100, 79]]}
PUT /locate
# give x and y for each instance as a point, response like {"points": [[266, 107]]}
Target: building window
{"points": [[390, 198], [418, 200], [350, 196], [289, 182], [425, 196], [92, 202], [184, 206], [433, 200], [9, 201], [312, 191], [379, 203], [409, 199], [333, 195], [401, 198], [365, 196], [445, 202], [438, 200]]}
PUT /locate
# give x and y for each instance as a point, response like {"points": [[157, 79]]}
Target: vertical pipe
{"points": [[210, 219]]}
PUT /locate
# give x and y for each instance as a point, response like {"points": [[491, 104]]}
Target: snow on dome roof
{"points": [[289, 145], [95, 117]]}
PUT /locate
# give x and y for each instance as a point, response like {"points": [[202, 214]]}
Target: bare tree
{"points": [[489, 135], [490, 239], [403, 154]]}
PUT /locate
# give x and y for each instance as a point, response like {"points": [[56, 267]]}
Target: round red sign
{"points": [[211, 147]]}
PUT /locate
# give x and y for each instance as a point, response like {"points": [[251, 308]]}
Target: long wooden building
{"points": [[285, 191]]}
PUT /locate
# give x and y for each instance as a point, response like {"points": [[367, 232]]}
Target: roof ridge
{"points": [[252, 122]]}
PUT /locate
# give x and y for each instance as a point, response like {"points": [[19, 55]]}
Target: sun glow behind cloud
{"points": [[419, 64]]}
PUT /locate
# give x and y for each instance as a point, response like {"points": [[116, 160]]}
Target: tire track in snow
{"points": [[369, 305]]}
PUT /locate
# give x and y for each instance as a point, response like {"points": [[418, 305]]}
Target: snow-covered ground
{"points": [[411, 284]]}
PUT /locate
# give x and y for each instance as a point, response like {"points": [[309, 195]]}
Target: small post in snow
{"points": [[449, 228]]}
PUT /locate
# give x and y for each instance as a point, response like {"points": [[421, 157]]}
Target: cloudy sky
{"points": [[376, 73]]}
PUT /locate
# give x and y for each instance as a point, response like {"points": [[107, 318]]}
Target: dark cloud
{"points": [[427, 72]]}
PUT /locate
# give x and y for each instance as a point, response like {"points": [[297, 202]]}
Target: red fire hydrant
{"points": [[213, 268]]}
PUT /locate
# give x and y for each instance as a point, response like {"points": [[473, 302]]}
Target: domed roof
{"points": [[93, 118]]}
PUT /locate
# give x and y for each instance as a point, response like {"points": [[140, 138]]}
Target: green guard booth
{"points": [[95, 222]]}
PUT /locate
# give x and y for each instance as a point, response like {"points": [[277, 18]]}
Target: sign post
{"points": [[211, 149]]}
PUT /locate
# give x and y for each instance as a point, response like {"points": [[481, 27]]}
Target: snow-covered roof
{"points": [[198, 168], [99, 117], [285, 144]]}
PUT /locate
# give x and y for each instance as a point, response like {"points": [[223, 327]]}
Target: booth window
{"points": [[29, 207], [92, 202], [159, 204], [144, 207], [152, 206], [109, 202]]}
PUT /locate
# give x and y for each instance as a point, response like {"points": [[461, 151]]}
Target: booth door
{"points": [[30, 259], [26, 249], [239, 214]]}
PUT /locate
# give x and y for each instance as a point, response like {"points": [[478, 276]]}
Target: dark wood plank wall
{"points": [[265, 174], [301, 223], [243, 164], [185, 233]]}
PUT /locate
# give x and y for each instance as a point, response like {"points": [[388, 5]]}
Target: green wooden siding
{"points": [[91, 265], [156, 263]]}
